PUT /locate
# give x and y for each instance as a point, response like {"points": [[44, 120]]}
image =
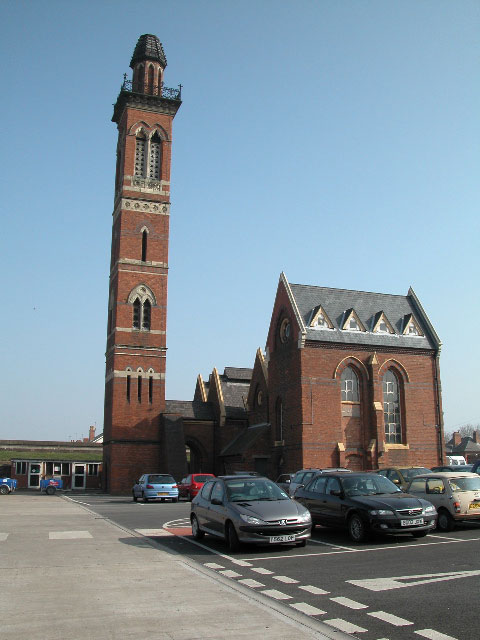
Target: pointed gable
{"points": [[411, 326], [285, 308], [320, 319], [352, 322], [381, 324]]}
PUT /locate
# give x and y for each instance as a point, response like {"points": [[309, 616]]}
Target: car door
{"points": [[137, 489], [217, 510], [437, 494], [314, 498], [333, 504], [201, 507]]}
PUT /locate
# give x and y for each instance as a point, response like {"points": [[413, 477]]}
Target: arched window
{"points": [[144, 245], [142, 299], [154, 157], [350, 387], [391, 408], [140, 154], [279, 420], [150, 80]]}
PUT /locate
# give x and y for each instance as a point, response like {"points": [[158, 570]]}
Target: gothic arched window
{"points": [[391, 408], [350, 386], [142, 299], [140, 154], [154, 156], [144, 245]]}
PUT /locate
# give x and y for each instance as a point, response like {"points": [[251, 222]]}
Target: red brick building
{"points": [[349, 378]]}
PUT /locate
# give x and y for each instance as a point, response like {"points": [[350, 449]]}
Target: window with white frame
{"points": [[391, 408], [21, 468], [350, 386], [92, 469]]}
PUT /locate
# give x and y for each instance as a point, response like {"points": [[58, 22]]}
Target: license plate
{"points": [[274, 539], [409, 523], [162, 493], [474, 505]]}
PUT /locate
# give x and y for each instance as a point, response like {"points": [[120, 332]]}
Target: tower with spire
{"points": [[137, 306]]}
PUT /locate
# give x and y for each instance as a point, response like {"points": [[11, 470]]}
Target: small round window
{"points": [[285, 330]]}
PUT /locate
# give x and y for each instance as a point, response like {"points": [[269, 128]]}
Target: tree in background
{"points": [[464, 430]]}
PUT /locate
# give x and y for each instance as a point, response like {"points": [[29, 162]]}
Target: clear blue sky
{"points": [[337, 141]]}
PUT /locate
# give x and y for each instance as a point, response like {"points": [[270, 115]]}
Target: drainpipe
{"points": [[438, 389]]}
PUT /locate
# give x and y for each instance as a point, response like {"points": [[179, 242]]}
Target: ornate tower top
{"points": [[148, 47]]}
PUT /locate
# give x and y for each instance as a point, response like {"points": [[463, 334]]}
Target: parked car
{"points": [[155, 486], [284, 481], [191, 485], [456, 460], [455, 468], [365, 503], [7, 485], [304, 476], [51, 485], [456, 496], [249, 509], [476, 467], [401, 476]]}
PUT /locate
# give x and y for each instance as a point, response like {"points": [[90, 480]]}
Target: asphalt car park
{"points": [[396, 587]]}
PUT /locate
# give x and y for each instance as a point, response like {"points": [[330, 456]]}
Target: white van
{"points": [[454, 460]]}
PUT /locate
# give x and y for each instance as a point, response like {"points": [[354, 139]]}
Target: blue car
{"points": [[155, 486]]}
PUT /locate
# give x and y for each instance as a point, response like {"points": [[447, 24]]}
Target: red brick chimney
{"points": [[457, 439], [91, 434], [476, 437]]}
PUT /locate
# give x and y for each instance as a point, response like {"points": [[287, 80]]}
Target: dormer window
{"points": [[381, 324], [352, 322], [412, 328], [320, 319]]}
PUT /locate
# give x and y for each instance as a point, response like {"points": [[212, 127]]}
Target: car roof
{"points": [[239, 476], [448, 474], [404, 466]]}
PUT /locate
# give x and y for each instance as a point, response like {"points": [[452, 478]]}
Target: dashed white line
{"points": [[278, 595], [242, 563], [285, 579], [315, 590], [329, 544], [230, 574], [434, 635], [214, 565], [264, 572], [3, 537], [390, 618], [345, 626], [153, 532], [69, 535], [251, 583], [351, 604], [308, 609]]}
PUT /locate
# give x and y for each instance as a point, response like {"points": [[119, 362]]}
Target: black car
{"points": [[365, 503], [455, 468]]}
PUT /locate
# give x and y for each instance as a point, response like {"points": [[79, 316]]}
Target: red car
{"points": [[191, 485]]}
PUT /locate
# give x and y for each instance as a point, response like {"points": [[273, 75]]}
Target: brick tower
{"points": [[137, 307]]}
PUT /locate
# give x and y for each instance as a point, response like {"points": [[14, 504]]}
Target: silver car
{"points": [[248, 509]]}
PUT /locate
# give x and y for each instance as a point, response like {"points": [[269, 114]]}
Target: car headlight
{"points": [[430, 509], [381, 512], [304, 517], [251, 519]]}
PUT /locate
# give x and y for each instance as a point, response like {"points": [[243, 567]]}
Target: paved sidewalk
{"points": [[68, 574]]}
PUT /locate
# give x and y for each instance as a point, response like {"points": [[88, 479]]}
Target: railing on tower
{"points": [[152, 90]]}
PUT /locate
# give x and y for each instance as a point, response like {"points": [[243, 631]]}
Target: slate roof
{"points": [[245, 439], [467, 445], [336, 302], [194, 409], [238, 373], [148, 47]]}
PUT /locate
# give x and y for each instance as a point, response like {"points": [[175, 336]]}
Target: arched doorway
{"points": [[194, 458]]}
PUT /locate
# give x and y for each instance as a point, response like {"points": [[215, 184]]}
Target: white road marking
{"points": [[389, 617], [230, 574], [153, 532], [308, 609], [242, 563], [386, 584], [434, 635], [315, 590], [214, 565], [69, 535], [264, 572], [3, 537], [345, 626], [285, 579], [278, 595], [329, 544], [251, 583], [351, 604]]}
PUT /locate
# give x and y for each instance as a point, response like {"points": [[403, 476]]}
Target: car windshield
{"points": [[253, 490], [464, 484], [408, 474], [161, 479], [368, 485], [201, 478]]}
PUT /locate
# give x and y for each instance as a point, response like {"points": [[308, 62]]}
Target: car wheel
{"points": [[4, 490], [197, 533], [189, 497], [50, 491], [445, 522], [145, 499], [232, 537], [302, 543], [134, 497], [356, 529], [419, 534]]}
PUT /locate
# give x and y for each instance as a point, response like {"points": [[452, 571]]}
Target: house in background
{"points": [[467, 446]]}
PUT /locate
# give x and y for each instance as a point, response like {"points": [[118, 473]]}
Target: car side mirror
{"points": [[216, 501], [287, 481], [396, 481], [337, 492]]}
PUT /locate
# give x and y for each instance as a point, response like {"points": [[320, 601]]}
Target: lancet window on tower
{"points": [[154, 157], [140, 153], [148, 156], [141, 298]]}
